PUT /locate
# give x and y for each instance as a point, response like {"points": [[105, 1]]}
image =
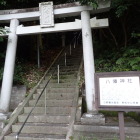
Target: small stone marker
{"points": [[46, 14]]}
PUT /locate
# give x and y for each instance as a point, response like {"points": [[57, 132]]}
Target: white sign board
{"points": [[119, 91], [46, 14]]}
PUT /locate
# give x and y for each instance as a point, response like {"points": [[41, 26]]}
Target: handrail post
{"points": [[70, 49], [74, 45], [45, 101], [38, 56], [16, 137], [58, 74], [65, 59]]}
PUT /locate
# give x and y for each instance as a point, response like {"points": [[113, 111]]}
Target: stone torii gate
{"points": [[64, 10]]}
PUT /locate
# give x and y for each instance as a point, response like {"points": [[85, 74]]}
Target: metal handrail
{"points": [[17, 135], [33, 107]]}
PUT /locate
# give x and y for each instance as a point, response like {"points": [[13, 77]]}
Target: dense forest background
{"points": [[116, 48]]}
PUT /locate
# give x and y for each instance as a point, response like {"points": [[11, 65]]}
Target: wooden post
{"points": [[121, 125]]}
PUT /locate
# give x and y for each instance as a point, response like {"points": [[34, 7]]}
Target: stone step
{"points": [[62, 73], [58, 90], [61, 76], [74, 55], [41, 128], [103, 136], [57, 96], [59, 100], [70, 60], [35, 137], [66, 85], [49, 110], [63, 67], [69, 63], [52, 103], [63, 81], [37, 118]]}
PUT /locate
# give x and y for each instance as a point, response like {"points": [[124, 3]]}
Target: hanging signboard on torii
{"points": [[46, 14]]}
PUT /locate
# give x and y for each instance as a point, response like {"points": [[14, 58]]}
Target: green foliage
{"points": [[1, 55], [18, 74], [31, 75], [112, 60], [134, 115], [93, 3], [2, 2], [1, 39], [135, 35], [1, 74], [1, 66], [25, 74], [109, 113], [121, 6], [130, 59], [126, 59], [3, 32]]}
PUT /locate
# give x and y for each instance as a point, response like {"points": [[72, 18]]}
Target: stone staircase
{"points": [[55, 121]]}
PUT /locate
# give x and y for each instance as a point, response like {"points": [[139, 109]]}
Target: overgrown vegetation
{"points": [[3, 31], [125, 59], [28, 73]]}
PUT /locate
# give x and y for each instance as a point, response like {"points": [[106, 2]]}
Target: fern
{"points": [[134, 61], [135, 67], [131, 52], [120, 61]]}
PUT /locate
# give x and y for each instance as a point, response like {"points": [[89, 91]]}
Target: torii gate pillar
{"points": [[89, 69], [9, 67]]}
